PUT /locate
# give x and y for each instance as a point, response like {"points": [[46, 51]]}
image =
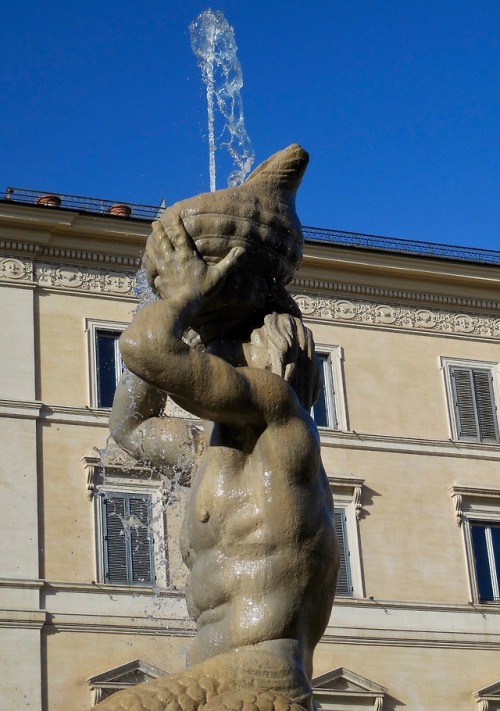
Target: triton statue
{"points": [[226, 342]]}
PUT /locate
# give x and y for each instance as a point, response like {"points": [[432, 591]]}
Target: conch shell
{"points": [[259, 215]]}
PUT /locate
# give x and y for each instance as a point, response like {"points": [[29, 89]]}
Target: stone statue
{"points": [[226, 342]]}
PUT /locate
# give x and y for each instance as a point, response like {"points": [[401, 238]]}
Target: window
{"points": [[486, 549], [329, 409], [347, 500], [127, 538], [344, 584], [477, 511], [108, 365], [472, 400], [105, 361], [130, 525]]}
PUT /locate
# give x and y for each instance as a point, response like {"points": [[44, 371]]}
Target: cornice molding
{"points": [[408, 445], [76, 255], [24, 409], [353, 486], [459, 491], [25, 619], [74, 415], [315, 285], [119, 625], [413, 639], [24, 583]]}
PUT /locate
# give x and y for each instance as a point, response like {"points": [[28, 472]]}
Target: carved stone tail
{"points": [[251, 700]]}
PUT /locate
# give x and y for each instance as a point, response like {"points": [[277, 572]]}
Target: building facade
{"points": [[91, 577]]}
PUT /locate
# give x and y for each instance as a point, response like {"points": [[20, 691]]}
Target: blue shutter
{"points": [[474, 404], [141, 544], [115, 544], [344, 585], [128, 542]]}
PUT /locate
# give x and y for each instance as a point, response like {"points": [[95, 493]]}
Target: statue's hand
{"points": [[175, 267]]}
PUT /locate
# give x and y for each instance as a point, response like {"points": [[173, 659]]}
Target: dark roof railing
{"points": [[405, 246], [315, 234], [81, 204]]}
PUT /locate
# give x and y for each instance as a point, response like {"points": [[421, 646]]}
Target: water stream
{"points": [[213, 42]]}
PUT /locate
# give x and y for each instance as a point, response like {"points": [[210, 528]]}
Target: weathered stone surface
{"points": [[227, 343]]}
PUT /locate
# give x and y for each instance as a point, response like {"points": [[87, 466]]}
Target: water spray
{"points": [[212, 41]]}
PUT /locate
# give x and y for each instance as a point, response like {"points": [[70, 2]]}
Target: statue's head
{"points": [[281, 344], [258, 215], [291, 354]]}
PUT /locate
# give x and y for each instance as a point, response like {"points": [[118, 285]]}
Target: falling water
{"points": [[212, 41]]}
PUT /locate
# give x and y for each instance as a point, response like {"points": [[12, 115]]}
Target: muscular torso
{"points": [[258, 539]]}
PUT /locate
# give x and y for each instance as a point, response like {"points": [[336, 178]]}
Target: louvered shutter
{"points": [[115, 542], [485, 400], [344, 586], [474, 404], [128, 542], [140, 540]]}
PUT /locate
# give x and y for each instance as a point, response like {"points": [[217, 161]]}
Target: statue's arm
{"points": [[136, 424], [207, 386], [153, 349]]}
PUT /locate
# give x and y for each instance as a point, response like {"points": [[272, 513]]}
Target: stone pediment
{"points": [[488, 698], [351, 689], [129, 674]]}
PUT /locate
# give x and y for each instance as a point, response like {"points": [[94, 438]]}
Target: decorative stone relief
{"points": [[488, 698], [458, 492], [457, 505], [90, 280], [397, 316], [15, 269]]}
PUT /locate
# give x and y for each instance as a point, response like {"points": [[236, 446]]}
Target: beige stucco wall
{"points": [[393, 380], [74, 658], [64, 346], [17, 375], [419, 678], [417, 635]]}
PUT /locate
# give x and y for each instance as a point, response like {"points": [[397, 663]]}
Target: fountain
{"points": [[225, 341], [218, 334], [212, 40]]}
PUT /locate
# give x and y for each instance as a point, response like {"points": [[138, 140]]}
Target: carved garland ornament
{"points": [[66, 276], [355, 311], [90, 280], [15, 269], [358, 311]]}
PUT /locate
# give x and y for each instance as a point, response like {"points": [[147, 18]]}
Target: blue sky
{"points": [[397, 102]]}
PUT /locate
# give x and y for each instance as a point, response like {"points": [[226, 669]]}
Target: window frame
{"points": [[127, 497], [134, 481], [93, 327], [343, 688], [448, 365], [125, 676], [347, 492], [335, 400], [475, 505]]}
